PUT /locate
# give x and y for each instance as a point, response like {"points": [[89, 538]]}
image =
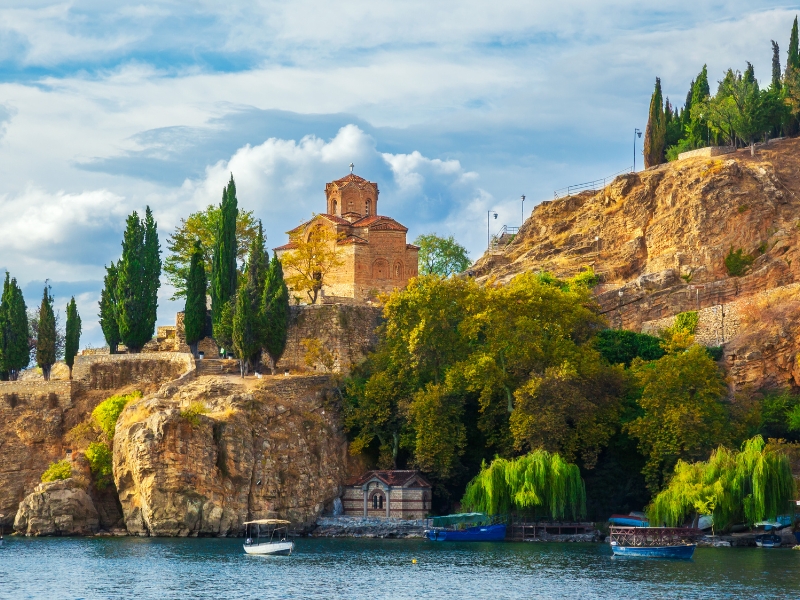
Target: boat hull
{"points": [[485, 533], [270, 549], [682, 551], [628, 522]]}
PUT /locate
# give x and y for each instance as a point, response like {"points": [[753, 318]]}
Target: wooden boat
{"points": [[466, 527], [768, 540], [274, 542], [653, 542]]}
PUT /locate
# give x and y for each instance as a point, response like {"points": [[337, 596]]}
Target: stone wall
{"points": [[720, 323], [112, 371], [404, 503], [346, 331], [708, 152], [35, 395], [367, 527]]}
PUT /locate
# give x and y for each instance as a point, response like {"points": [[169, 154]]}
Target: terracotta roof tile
{"points": [[350, 178], [351, 239], [379, 223], [289, 246], [392, 478], [412, 247]]}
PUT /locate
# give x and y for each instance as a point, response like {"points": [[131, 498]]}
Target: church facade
{"points": [[375, 254]]}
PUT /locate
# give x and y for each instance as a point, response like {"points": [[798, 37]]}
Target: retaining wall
{"points": [[36, 394], [112, 371]]}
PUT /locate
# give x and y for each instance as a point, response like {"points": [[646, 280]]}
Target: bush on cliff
{"points": [[100, 462], [193, 411], [620, 346], [105, 414], [57, 471], [737, 262]]}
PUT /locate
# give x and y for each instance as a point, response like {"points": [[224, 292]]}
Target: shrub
{"points": [[715, 352], [619, 346], [100, 463], [586, 277], [737, 262], [193, 412], [743, 208], [57, 471], [686, 321], [106, 413]]}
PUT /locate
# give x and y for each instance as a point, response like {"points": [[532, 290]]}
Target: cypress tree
{"points": [[108, 309], [194, 315], [130, 294], [793, 58], [18, 354], [655, 132], [5, 322], [275, 313], [223, 267], [152, 273], [46, 342], [776, 67], [245, 332], [750, 74], [258, 263], [72, 337]]}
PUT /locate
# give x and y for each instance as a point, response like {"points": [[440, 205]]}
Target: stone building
{"points": [[375, 253], [398, 494]]}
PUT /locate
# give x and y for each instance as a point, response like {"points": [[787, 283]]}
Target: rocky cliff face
{"points": [[203, 457], [57, 508], [659, 239]]}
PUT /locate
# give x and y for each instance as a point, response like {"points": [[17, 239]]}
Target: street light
{"points": [[523, 210], [489, 212], [636, 133]]}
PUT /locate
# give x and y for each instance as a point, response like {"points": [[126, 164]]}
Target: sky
{"points": [[454, 108]]}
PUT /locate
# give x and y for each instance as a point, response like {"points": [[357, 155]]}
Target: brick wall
{"points": [[404, 503], [347, 331]]}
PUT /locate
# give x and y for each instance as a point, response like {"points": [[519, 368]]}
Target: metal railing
{"points": [[589, 186], [504, 230]]}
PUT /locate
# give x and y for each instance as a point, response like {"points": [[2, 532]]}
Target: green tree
{"points": [[655, 132], [793, 56], [73, 335], [275, 313], [138, 273], [46, 338], [620, 346], [194, 315], [203, 225], [14, 342], [441, 256], [697, 130], [776, 67], [245, 333], [683, 412], [108, 309], [224, 277]]}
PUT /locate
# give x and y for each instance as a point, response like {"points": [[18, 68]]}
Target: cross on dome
{"points": [[352, 166]]}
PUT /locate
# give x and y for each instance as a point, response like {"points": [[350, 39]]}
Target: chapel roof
{"points": [[351, 239], [394, 478], [350, 178], [379, 223], [332, 218]]}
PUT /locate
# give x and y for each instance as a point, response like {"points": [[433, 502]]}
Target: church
{"points": [[375, 255]]}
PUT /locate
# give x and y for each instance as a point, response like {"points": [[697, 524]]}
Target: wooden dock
{"points": [[527, 530]]}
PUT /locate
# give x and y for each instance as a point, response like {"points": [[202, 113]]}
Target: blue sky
{"points": [[454, 108]]}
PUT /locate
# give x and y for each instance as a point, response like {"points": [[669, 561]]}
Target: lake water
{"points": [[146, 568]]}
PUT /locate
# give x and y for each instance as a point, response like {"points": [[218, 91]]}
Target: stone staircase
{"points": [[217, 366]]}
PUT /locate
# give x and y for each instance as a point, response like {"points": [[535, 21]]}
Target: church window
{"points": [[334, 206], [368, 208], [398, 271], [375, 501]]}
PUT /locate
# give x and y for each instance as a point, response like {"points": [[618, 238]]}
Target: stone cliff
{"points": [[659, 239], [202, 458]]}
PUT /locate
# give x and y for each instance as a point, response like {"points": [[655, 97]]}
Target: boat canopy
{"points": [[267, 522], [447, 520]]}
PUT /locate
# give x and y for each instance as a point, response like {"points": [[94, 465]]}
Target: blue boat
{"points": [[681, 551], [628, 520], [467, 527], [653, 542]]}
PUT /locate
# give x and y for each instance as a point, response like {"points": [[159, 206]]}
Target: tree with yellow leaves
{"points": [[310, 260]]}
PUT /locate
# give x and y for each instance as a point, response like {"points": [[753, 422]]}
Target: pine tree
{"points": [[793, 58], [73, 335], [138, 272], [46, 340], [655, 132], [223, 268], [776, 67], [275, 313], [18, 354], [108, 309], [194, 316]]}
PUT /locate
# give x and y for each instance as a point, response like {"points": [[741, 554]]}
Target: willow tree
{"points": [[540, 481], [751, 485]]}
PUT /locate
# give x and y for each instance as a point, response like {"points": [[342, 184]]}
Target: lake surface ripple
{"points": [[162, 568]]}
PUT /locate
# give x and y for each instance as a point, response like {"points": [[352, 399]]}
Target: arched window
{"points": [[368, 208], [334, 206], [397, 272], [380, 501], [375, 502]]}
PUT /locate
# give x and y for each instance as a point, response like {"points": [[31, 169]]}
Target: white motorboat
{"points": [[274, 541]]}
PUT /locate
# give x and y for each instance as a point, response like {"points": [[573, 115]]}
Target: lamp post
{"points": [[488, 213], [523, 210], [636, 133], [619, 310]]}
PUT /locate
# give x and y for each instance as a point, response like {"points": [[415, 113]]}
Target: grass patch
{"points": [[58, 471], [100, 463], [193, 411], [686, 321], [743, 208], [737, 262]]}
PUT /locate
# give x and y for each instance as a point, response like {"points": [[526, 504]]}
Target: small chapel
{"points": [[376, 257]]}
